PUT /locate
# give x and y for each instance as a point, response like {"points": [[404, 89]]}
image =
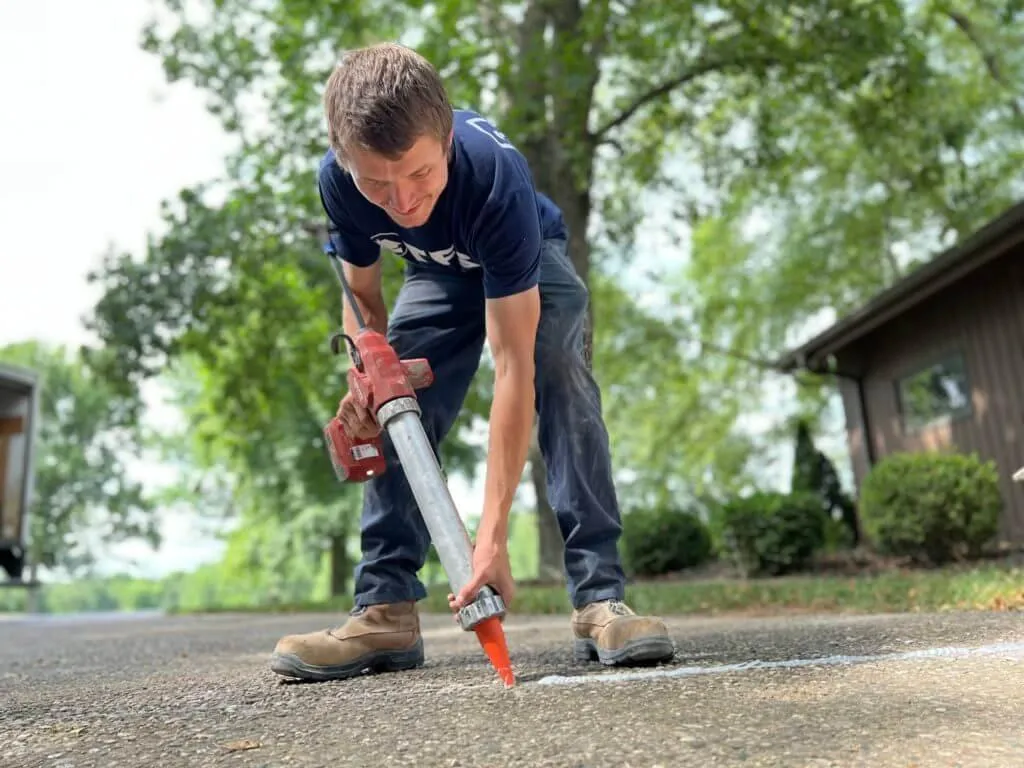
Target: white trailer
{"points": [[19, 424]]}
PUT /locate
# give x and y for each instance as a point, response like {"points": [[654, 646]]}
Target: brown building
{"points": [[937, 360]]}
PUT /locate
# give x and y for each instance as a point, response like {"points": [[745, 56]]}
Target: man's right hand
{"points": [[358, 422]]}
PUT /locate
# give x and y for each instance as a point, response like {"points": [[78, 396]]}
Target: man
{"points": [[486, 260]]}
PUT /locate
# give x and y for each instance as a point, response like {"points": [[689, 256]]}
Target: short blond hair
{"points": [[382, 99]]}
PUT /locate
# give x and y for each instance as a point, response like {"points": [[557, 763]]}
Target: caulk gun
{"points": [[385, 386]]}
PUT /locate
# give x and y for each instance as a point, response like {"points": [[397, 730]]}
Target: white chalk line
{"points": [[1012, 651]]}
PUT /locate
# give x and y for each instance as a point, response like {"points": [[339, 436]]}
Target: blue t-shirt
{"points": [[488, 223]]}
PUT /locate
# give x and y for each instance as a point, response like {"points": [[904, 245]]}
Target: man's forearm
{"points": [[511, 423], [374, 311]]}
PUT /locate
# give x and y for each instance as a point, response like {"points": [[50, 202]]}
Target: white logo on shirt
{"points": [[390, 241], [489, 129]]}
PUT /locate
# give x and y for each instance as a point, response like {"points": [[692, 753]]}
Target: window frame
{"points": [[942, 359]]}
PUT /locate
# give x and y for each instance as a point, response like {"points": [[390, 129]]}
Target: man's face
{"points": [[407, 188]]}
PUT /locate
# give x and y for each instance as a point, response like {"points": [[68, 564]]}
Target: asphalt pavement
{"points": [[917, 690]]}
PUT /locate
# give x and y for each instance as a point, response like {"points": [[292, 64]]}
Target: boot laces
{"points": [[619, 608]]}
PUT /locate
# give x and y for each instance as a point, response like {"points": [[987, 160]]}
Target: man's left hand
{"points": [[490, 568]]}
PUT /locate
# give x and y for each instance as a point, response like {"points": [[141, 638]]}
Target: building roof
{"points": [[988, 243], [22, 378]]}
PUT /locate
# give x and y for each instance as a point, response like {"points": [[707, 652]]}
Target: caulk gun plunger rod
{"points": [[339, 270]]}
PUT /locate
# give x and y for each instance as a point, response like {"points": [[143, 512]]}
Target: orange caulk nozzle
{"points": [[491, 635]]}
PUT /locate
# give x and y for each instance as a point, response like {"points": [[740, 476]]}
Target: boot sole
{"points": [[290, 665], [646, 650]]}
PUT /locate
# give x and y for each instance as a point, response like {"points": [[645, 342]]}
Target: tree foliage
{"points": [[641, 80], [673, 423], [854, 129], [860, 176]]}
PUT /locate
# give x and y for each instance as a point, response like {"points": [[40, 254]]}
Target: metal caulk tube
{"points": [[421, 469], [401, 419]]}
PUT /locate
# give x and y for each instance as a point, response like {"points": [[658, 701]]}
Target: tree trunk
{"points": [[341, 566], [550, 142], [551, 545]]}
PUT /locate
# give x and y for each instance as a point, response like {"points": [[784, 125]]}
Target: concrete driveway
{"points": [[915, 690]]}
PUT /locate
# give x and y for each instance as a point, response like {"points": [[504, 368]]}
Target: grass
{"points": [[984, 587]]}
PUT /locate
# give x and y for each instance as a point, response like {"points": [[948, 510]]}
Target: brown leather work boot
{"points": [[610, 632], [377, 638]]}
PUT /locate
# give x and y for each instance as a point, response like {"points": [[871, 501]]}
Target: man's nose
{"points": [[401, 197]]}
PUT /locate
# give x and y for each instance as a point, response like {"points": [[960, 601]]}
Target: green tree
{"points": [[84, 495], [857, 178], [598, 96], [807, 474], [674, 422], [814, 473]]}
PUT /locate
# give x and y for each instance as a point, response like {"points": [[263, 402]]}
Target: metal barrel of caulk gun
{"points": [[447, 531], [400, 418]]}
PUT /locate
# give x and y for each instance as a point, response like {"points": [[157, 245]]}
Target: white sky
{"points": [[91, 142]]}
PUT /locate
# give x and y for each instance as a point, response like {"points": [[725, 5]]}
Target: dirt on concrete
{"points": [[197, 691]]}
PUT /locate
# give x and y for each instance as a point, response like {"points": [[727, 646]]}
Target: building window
{"points": [[936, 394]]}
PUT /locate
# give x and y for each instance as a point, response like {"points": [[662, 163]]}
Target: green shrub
{"points": [[771, 533], [662, 540], [932, 507]]}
